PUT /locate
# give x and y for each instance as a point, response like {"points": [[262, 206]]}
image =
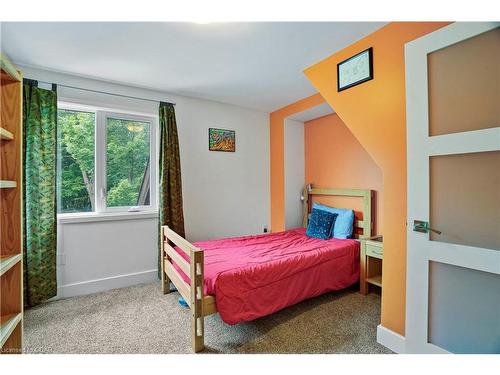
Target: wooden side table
{"points": [[372, 251]]}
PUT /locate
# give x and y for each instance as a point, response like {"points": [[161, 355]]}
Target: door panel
{"points": [[461, 301], [464, 86], [465, 199]]}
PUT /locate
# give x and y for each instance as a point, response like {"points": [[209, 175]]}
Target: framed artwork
{"points": [[221, 140], [355, 70]]}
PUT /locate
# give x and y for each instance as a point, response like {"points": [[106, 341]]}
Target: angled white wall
{"points": [[294, 172]]}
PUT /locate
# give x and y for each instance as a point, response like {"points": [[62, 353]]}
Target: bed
{"points": [[245, 278]]}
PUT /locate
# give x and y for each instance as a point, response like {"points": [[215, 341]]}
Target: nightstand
{"points": [[372, 251]]}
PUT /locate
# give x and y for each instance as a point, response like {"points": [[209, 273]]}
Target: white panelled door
{"points": [[453, 254]]}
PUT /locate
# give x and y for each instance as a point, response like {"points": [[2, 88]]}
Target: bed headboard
{"points": [[366, 224]]}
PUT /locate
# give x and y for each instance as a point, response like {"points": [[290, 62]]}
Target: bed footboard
{"points": [[193, 292]]}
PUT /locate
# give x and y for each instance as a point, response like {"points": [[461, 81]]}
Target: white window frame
{"points": [[102, 212]]}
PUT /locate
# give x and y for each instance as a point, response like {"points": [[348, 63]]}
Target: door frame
{"points": [[420, 146]]}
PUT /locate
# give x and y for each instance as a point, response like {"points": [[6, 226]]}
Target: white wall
{"points": [[96, 256], [224, 194], [294, 172]]}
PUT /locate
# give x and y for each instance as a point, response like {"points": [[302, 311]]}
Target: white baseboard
{"points": [[391, 340], [101, 285]]}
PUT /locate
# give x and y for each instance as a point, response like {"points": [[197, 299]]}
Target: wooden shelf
{"points": [[375, 280], [8, 324], [6, 135], [5, 184], [11, 235], [9, 72], [8, 261]]}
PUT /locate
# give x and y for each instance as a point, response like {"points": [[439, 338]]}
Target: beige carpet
{"points": [[140, 319]]}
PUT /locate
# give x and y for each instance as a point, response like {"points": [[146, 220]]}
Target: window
{"points": [[106, 161], [127, 167], [75, 164]]}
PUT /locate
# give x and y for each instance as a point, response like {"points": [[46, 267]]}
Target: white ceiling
{"points": [[313, 113], [255, 65]]}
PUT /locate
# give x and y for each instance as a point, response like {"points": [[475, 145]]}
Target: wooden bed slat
{"points": [[165, 281], [177, 258], [362, 225], [183, 244], [341, 192], [183, 287], [197, 284]]}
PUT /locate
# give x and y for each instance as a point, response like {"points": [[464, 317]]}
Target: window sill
{"points": [[90, 217]]}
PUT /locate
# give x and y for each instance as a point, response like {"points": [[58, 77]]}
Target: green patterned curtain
{"points": [[170, 200], [39, 194]]}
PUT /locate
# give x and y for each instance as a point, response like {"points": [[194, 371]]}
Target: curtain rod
{"points": [[110, 93]]}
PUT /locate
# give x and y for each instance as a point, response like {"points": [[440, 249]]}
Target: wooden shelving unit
{"points": [[8, 261], [8, 325], [11, 256], [6, 135], [6, 184]]}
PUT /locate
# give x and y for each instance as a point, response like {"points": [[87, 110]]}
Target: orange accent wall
{"points": [[335, 158], [374, 112], [277, 156]]}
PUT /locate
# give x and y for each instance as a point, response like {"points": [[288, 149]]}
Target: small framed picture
{"points": [[221, 140], [355, 70]]}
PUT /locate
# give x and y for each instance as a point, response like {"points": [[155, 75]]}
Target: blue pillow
{"points": [[320, 224], [344, 224]]}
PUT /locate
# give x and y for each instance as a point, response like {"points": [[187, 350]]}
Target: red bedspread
{"points": [[254, 276]]}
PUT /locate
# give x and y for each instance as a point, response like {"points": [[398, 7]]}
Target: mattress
{"points": [[254, 276]]}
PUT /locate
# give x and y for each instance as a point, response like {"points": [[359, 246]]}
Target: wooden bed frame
{"points": [[201, 305], [366, 224]]}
